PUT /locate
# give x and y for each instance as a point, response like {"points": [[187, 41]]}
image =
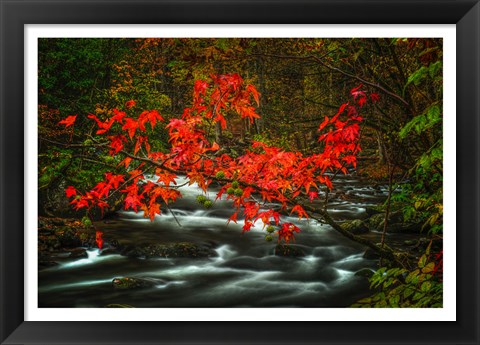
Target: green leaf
{"points": [[422, 261], [387, 283], [394, 301], [418, 295], [426, 286], [435, 68], [420, 123], [428, 268], [408, 292], [427, 251], [418, 76], [412, 275], [381, 304], [434, 114]]}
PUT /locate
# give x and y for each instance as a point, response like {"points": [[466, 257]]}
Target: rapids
{"points": [[246, 273]]}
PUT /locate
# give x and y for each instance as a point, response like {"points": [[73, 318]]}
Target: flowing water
{"points": [[246, 273]]}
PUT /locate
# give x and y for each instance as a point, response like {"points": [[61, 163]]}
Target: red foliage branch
{"points": [[269, 173]]}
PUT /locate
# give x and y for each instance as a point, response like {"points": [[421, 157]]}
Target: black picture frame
{"points": [[15, 14]]}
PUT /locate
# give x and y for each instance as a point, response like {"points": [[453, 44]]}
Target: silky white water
{"points": [[245, 272]]}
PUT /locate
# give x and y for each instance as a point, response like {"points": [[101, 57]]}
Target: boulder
{"points": [[355, 226], [53, 202], [289, 250], [68, 237], [48, 243], [376, 221], [128, 283]]}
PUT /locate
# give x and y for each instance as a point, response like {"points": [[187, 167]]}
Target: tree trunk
{"points": [[382, 157]]}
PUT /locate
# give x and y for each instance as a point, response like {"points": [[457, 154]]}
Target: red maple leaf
{"points": [[312, 195], [114, 180], [119, 115], [116, 143], [300, 211], [267, 215], [247, 226], [151, 116], [340, 111], [80, 203], [99, 239], [362, 100], [153, 210], [214, 147], [130, 104], [233, 218], [253, 91], [167, 178], [350, 159], [133, 201], [356, 92], [131, 125], [324, 123], [70, 191], [286, 232], [199, 88], [104, 126], [69, 121]]}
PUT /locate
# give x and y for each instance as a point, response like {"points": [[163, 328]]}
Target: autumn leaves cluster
{"points": [[264, 173]]}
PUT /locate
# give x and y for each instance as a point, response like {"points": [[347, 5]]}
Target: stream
{"points": [[245, 272]]}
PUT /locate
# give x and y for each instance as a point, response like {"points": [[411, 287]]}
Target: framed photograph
{"points": [[239, 172]]}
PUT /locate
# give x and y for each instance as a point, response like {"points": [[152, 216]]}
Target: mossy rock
{"points": [[128, 283], [376, 221], [355, 227], [288, 250], [395, 224], [68, 237], [48, 243]]}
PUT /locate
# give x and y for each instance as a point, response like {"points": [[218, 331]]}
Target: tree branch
{"points": [[321, 62]]}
